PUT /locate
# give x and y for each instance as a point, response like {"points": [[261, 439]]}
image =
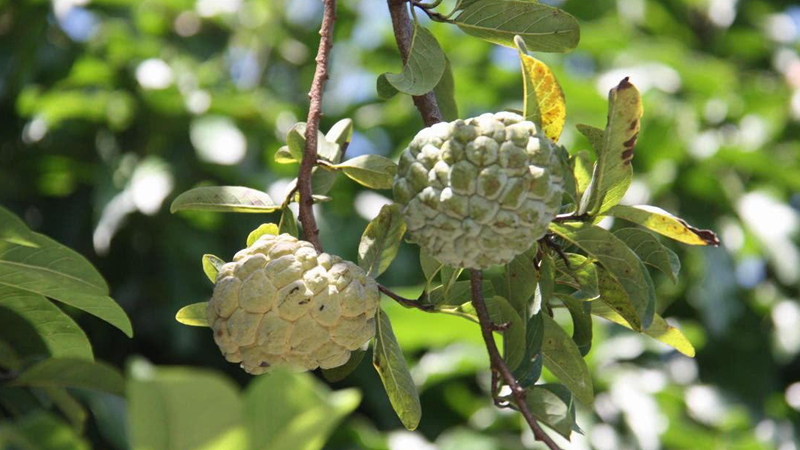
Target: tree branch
{"points": [[403, 32], [498, 365], [407, 302], [306, 214]]}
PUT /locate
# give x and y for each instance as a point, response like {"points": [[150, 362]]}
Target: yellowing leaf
{"points": [[264, 228], [664, 223], [659, 330], [193, 315], [543, 98]]}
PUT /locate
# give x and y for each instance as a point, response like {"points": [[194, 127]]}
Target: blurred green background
{"points": [[110, 108]]}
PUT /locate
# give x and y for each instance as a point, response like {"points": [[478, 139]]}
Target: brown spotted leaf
{"points": [[543, 98], [612, 171]]}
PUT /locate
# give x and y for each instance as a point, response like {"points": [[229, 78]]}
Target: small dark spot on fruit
{"points": [[304, 301], [296, 288], [322, 307], [264, 364]]}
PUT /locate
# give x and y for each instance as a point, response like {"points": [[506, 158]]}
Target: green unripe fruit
{"points": [[478, 192], [280, 303]]}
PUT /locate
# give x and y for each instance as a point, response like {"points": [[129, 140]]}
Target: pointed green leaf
{"points": [[211, 266], [381, 240], [543, 98], [659, 330], [425, 65], [372, 171], [69, 407], [457, 294], [542, 27], [391, 365], [581, 165], [340, 373], [580, 311], [384, 88], [341, 133], [552, 405], [284, 156], [296, 144], [193, 315], [288, 224], [519, 281], [13, 229], [224, 199], [595, 137], [564, 360], [445, 92], [581, 274], [530, 369], [55, 271], [514, 342], [612, 171], [620, 263], [264, 228], [41, 430], [664, 223], [430, 267], [60, 334], [72, 373], [651, 251]]}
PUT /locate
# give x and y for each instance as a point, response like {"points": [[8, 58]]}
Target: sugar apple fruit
{"points": [[280, 303], [478, 192]]}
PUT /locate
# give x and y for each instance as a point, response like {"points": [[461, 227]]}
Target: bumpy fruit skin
{"points": [[478, 192], [279, 303]]}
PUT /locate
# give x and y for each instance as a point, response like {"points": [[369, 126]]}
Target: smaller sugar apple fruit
{"points": [[280, 303], [478, 192]]}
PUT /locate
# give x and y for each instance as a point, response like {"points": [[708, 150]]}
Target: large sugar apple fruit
{"points": [[280, 303], [478, 192]]}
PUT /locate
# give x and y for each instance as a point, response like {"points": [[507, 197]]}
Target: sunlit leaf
{"points": [[55, 271], [664, 223], [224, 199], [543, 98], [72, 373], [620, 263], [612, 172], [542, 27], [41, 430], [552, 405], [659, 329], [446, 95], [424, 68], [211, 266], [381, 240], [458, 293], [296, 145], [580, 274], [564, 360], [341, 133], [372, 171], [264, 228], [430, 267], [391, 365], [13, 229], [60, 334], [193, 315], [340, 373], [651, 251], [501, 312], [582, 171], [284, 156]]}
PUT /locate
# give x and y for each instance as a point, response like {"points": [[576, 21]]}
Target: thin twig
{"points": [[403, 32], [498, 365], [407, 302], [306, 215]]}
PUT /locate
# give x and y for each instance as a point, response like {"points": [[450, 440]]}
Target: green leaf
{"points": [[72, 373], [530, 369], [384, 88], [580, 311], [296, 141], [542, 28], [612, 171], [9, 359], [288, 223], [552, 405], [41, 430], [14, 230], [193, 315], [340, 373], [651, 251], [424, 68], [430, 267], [547, 278], [372, 171], [183, 409], [381, 240], [55, 271], [211, 266], [322, 180], [60, 334], [581, 165], [69, 407], [457, 294], [445, 92], [620, 263], [518, 283], [264, 228], [391, 365], [595, 137], [543, 98], [284, 156], [659, 330], [514, 342], [224, 199], [564, 360], [341, 133], [581, 274], [285, 411], [664, 223]]}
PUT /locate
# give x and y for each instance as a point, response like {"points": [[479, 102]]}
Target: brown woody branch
{"points": [[304, 187], [403, 32], [407, 302], [499, 366]]}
